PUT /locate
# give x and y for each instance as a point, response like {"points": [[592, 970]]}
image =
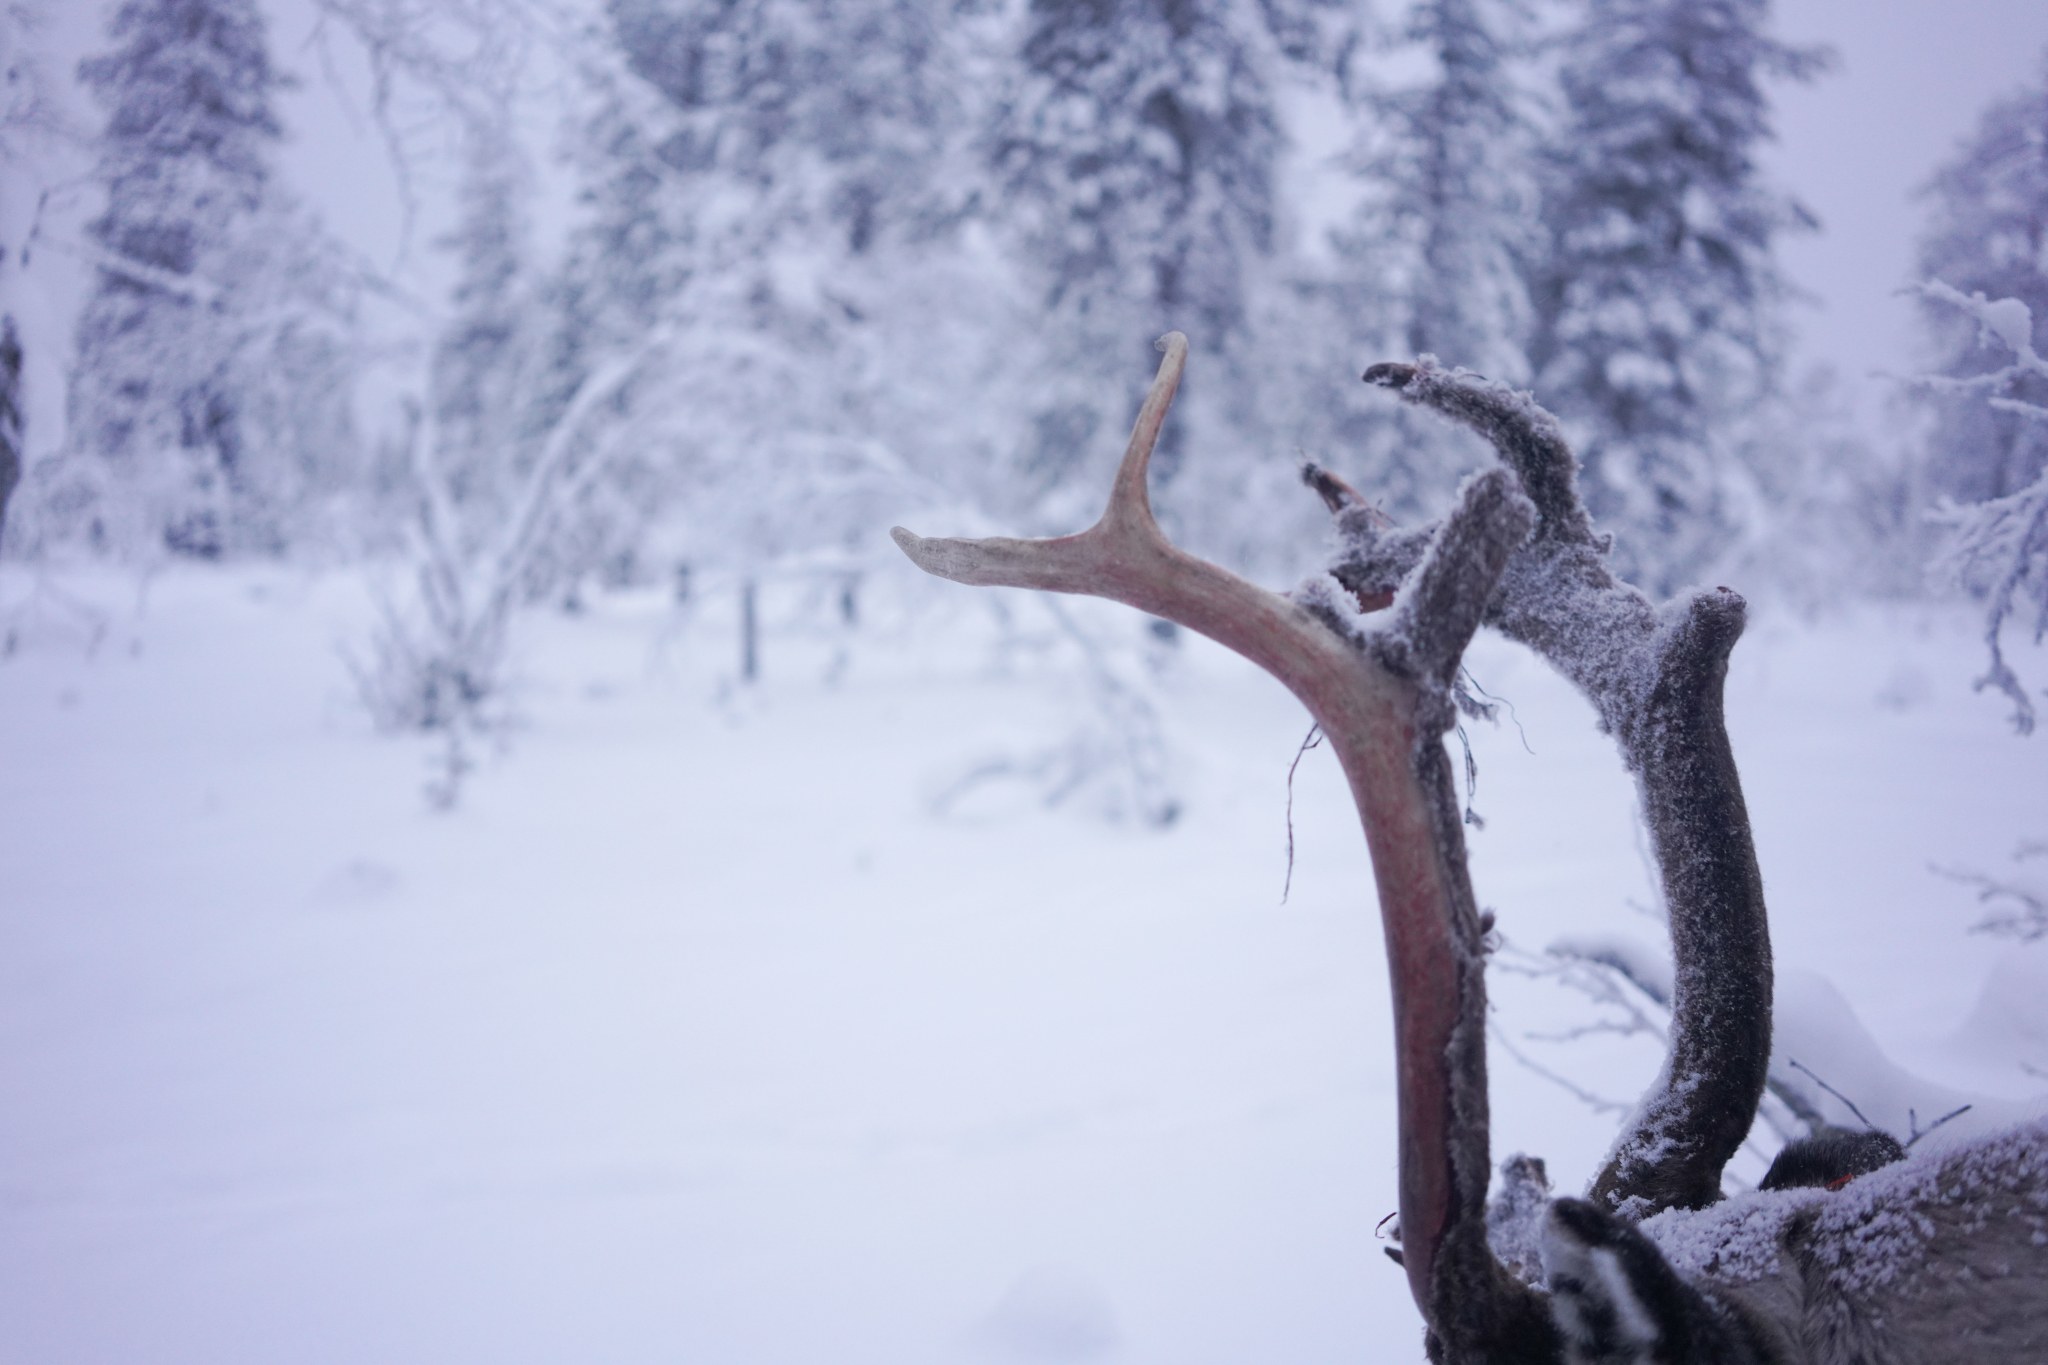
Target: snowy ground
{"points": [[695, 1035]]}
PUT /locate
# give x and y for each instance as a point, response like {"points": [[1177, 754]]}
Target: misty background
{"points": [[502, 859]]}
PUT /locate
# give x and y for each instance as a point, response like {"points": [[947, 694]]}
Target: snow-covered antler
{"points": [[1371, 650], [1655, 678]]}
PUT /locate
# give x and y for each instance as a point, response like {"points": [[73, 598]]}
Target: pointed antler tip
{"points": [[914, 546]]}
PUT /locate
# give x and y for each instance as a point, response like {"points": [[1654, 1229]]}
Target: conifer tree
{"points": [[790, 202], [1135, 156], [1654, 294], [1431, 259], [209, 391], [1139, 150], [1452, 219]]}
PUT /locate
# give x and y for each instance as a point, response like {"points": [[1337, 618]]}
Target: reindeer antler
{"points": [[1380, 691], [1520, 553], [1655, 677]]}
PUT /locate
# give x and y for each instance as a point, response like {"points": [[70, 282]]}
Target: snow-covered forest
{"points": [[505, 859]]}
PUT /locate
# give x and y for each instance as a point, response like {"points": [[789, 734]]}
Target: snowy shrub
{"points": [[438, 667]]}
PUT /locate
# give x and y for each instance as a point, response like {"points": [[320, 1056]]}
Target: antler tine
{"points": [[1129, 502], [1125, 557], [1070, 563]]}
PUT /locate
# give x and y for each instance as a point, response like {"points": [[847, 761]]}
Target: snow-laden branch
{"points": [[2014, 907], [2009, 320], [194, 288], [2000, 547]]}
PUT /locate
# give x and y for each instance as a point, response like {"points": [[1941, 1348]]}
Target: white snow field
{"points": [[696, 1034]]}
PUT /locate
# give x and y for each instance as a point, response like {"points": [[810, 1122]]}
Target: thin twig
{"points": [[1473, 683], [1914, 1121], [1309, 741], [1794, 1062], [1472, 817], [1598, 1103]]}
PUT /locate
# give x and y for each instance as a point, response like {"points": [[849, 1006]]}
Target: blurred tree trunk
{"points": [[10, 416]]}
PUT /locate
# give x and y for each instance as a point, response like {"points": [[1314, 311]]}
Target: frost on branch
{"points": [[2000, 547], [2014, 906]]}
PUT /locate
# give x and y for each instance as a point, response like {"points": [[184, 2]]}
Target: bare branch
{"points": [[1599, 1104], [2014, 909]]}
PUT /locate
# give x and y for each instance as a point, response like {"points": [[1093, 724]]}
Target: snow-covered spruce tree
{"points": [[1988, 235], [1654, 294], [210, 401], [32, 126], [1431, 259], [1450, 223], [1137, 154], [1135, 151], [794, 201]]}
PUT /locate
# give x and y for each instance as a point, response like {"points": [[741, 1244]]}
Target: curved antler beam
{"points": [[1379, 693]]}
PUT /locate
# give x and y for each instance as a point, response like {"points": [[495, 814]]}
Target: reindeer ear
{"points": [[1617, 1301]]}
